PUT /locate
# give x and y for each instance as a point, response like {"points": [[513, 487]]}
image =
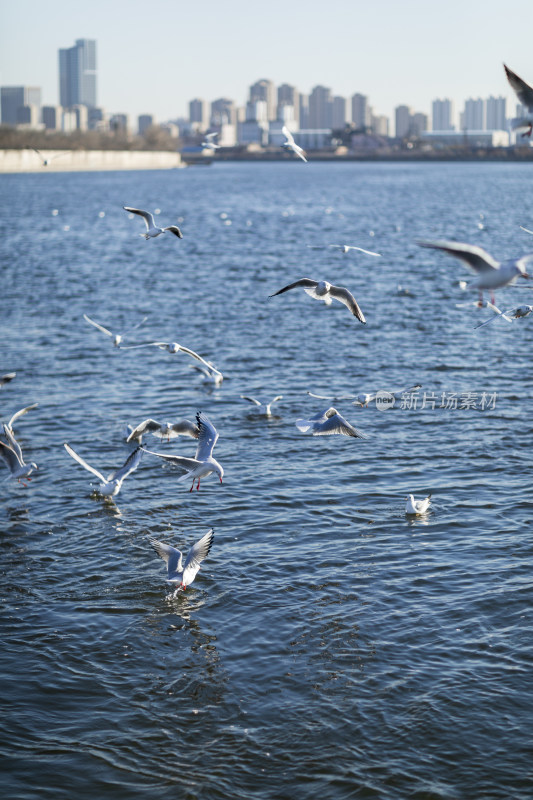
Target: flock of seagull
{"points": [[490, 275]]}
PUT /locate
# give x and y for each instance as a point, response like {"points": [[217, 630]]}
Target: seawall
{"points": [[86, 160]]}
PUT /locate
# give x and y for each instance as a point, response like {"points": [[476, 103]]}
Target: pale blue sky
{"points": [[153, 57]]}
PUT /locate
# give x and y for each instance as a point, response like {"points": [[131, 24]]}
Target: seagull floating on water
{"points": [[322, 290], [328, 422], [117, 337], [179, 572], [345, 248], [203, 464], [7, 378], [291, 145], [524, 92], [208, 142], [492, 274], [414, 507], [152, 229], [211, 374], [111, 485], [165, 430], [509, 315], [263, 408]]}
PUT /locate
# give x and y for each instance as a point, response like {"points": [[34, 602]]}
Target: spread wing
{"points": [[13, 443], [186, 428], [148, 218], [10, 457], [335, 423], [286, 132], [251, 399], [180, 461], [170, 554], [20, 414], [148, 425], [523, 90], [7, 377], [130, 464], [474, 257], [81, 461], [96, 325], [207, 437], [175, 230], [196, 555], [346, 297], [305, 283]]}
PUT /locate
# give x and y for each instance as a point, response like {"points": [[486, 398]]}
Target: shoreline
{"points": [[27, 160]]}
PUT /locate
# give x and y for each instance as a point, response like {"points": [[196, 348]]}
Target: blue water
{"points": [[330, 646]]}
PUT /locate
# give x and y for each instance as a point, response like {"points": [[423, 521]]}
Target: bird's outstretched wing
{"points": [[148, 218], [20, 414], [477, 259], [305, 283], [97, 325], [286, 132], [175, 230], [346, 297], [523, 90], [83, 463], [207, 437], [170, 554], [198, 552], [130, 464]]}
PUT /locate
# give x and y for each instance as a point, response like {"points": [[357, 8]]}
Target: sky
{"points": [[153, 57]]}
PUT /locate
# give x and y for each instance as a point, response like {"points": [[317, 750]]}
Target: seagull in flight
{"points": [[491, 274], [509, 315], [363, 400], [524, 92], [203, 464], [211, 374], [345, 248], [208, 142], [179, 572], [151, 228], [328, 422], [291, 145], [7, 378], [117, 337], [46, 159], [414, 508], [263, 408], [111, 485], [174, 347], [11, 451], [322, 290], [165, 430]]}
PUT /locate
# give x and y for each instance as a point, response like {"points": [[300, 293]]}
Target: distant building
{"points": [[361, 112], [119, 122], [144, 121], [198, 114], [320, 108], [380, 125], [77, 74], [256, 110], [303, 113], [442, 114], [252, 132], [265, 92], [14, 97], [466, 138], [338, 112], [82, 117], [29, 116], [402, 121], [97, 119], [496, 114], [51, 117], [419, 123], [223, 112], [288, 96], [473, 116]]}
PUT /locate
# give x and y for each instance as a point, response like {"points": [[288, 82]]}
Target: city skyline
{"points": [[142, 59]]}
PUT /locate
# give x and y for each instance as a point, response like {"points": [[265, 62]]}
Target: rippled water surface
{"points": [[330, 647]]}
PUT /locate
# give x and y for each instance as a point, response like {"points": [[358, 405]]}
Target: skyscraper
{"points": [[361, 112], [288, 96], [473, 118], [198, 113], [496, 113], [442, 115], [320, 108], [14, 97], [77, 74], [338, 112], [264, 91], [402, 119]]}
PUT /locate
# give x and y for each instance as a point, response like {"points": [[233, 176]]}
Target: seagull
{"points": [[117, 337], [328, 422], [364, 399], [492, 274], [264, 408], [414, 507], [174, 347], [46, 160], [151, 228], [12, 455], [208, 142], [165, 430], [111, 485], [203, 464], [290, 144], [9, 425], [526, 229], [210, 373], [7, 378], [322, 290], [345, 248], [509, 315], [524, 92], [179, 572]]}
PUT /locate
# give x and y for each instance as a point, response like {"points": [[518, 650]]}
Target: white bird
{"points": [[328, 422], [322, 290], [174, 347], [291, 145], [524, 92], [416, 507], [46, 159], [179, 572], [345, 248], [364, 399], [263, 408], [165, 430], [211, 374], [7, 378], [492, 274], [526, 229], [208, 142], [509, 315], [117, 337], [12, 452], [111, 485], [152, 229], [203, 464]]}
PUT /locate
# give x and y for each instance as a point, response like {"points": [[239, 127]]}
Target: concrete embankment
{"points": [[86, 160]]}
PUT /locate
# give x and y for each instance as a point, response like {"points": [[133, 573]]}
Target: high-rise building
{"points": [[222, 112], [496, 114], [97, 119], [402, 119], [442, 114], [419, 123], [144, 121], [77, 74], [28, 115], [14, 97], [320, 108], [288, 96], [380, 125], [338, 112], [361, 111], [303, 111], [51, 117], [198, 113], [264, 91], [473, 117]]}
